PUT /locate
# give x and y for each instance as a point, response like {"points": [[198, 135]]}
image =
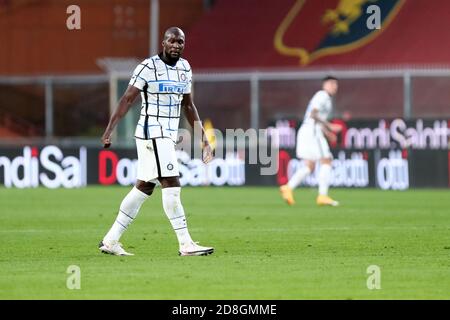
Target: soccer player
{"points": [[312, 145], [164, 82]]}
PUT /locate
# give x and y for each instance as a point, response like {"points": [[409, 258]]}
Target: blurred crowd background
{"points": [[254, 61]]}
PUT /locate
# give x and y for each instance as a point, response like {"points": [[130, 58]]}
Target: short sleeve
{"points": [[319, 100], [189, 82], [140, 75]]}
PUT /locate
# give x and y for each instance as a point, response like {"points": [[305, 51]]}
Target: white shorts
{"points": [[156, 159], [311, 144]]}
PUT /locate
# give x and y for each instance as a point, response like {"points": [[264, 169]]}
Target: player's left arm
{"points": [[194, 120]]}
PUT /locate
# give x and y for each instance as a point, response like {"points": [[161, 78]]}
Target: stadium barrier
{"points": [[86, 101], [387, 153], [53, 167]]}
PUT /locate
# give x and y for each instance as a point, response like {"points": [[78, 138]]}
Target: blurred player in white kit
{"points": [[312, 145]]}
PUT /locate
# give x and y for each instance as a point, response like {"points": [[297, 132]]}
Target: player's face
{"points": [[174, 45], [331, 86]]}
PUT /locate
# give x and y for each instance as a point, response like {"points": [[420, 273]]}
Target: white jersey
{"points": [[311, 143], [321, 102], [162, 87]]}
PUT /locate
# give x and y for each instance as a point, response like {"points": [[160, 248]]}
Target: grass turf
{"points": [[264, 249]]}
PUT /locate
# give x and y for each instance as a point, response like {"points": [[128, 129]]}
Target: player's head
{"points": [[330, 85], [173, 43]]}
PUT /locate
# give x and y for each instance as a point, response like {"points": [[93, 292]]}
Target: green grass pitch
{"points": [[264, 249]]}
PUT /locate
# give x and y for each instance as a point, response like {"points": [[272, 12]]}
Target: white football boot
{"points": [[113, 247], [193, 249]]}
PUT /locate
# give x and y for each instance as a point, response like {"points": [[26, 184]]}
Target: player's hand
{"points": [[207, 153], [331, 136], [335, 127], [106, 140]]}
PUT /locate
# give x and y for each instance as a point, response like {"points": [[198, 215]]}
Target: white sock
{"points": [[175, 212], [324, 179], [128, 211], [298, 176]]}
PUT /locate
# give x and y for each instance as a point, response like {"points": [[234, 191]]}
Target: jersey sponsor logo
{"points": [[337, 29], [172, 87]]}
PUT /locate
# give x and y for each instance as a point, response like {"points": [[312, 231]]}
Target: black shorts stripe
{"points": [[146, 128], [158, 166]]}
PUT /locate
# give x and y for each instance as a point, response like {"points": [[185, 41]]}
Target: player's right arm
{"points": [[318, 102], [327, 126], [125, 103]]}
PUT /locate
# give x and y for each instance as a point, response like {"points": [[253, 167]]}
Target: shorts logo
{"points": [[170, 167]]}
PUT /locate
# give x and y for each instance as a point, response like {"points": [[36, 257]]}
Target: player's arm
{"points": [[328, 129], [125, 103], [194, 120], [327, 126]]}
